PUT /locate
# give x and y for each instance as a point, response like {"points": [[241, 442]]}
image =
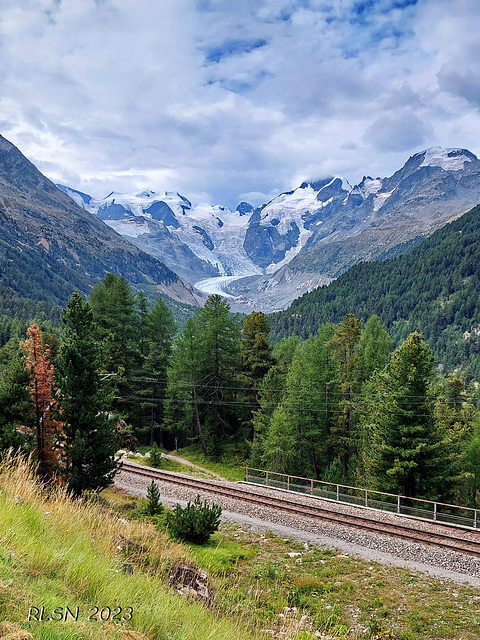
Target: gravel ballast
{"points": [[457, 567]]}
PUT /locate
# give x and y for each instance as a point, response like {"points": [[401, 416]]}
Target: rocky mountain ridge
{"points": [[49, 245], [267, 257]]}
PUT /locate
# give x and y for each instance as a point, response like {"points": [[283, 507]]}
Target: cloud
{"points": [[222, 98], [398, 132]]}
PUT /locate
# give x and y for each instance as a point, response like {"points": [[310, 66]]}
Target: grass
{"points": [[230, 468], [57, 553]]}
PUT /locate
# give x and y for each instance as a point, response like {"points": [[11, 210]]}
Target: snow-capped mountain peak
{"points": [[448, 159]]}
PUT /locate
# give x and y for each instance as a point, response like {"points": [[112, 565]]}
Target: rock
{"points": [[193, 582]]}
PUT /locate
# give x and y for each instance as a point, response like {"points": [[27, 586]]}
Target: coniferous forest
{"points": [[347, 404]]}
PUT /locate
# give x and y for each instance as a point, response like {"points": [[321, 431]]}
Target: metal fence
{"points": [[413, 507]]}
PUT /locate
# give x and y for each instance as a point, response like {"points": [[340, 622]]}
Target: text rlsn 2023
{"points": [[94, 614]]}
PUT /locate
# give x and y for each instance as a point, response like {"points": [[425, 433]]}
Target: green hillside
{"points": [[433, 289]]}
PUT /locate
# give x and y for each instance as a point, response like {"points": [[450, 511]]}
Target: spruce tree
{"points": [[90, 439]]}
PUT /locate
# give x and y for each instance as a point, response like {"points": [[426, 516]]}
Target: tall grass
{"points": [[58, 552]]}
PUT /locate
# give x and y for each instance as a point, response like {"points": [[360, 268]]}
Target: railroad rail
{"points": [[442, 537]]}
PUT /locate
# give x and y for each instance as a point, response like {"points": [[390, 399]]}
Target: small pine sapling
{"points": [[195, 523], [154, 506], [155, 457]]}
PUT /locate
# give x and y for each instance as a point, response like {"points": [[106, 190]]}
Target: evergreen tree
{"points": [[256, 355], [16, 410], [117, 325], [183, 403], [159, 329], [406, 454], [90, 441], [344, 344], [272, 389], [219, 346]]}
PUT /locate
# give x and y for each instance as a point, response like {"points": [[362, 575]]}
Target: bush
{"points": [[195, 523]]}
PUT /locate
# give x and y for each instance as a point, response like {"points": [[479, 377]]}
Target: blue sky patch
{"points": [[230, 48]]}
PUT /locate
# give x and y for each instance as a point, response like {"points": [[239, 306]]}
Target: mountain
{"points": [[49, 245], [267, 257], [196, 242], [432, 289]]}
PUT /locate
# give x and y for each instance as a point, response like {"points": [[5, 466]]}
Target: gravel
{"points": [[457, 567]]}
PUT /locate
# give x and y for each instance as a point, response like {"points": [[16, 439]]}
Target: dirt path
{"points": [[186, 462]]}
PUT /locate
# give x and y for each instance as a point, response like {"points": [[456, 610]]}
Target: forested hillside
{"points": [[433, 289], [338, 406]]}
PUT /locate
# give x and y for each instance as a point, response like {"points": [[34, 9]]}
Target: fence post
{"points": [[475, 519], [246, 474], [288, 483], [434, 511], [266, 478], [311, 487], [338, 492], [366, 497], [398, 504]]}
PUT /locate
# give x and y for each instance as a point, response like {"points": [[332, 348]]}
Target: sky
{"points": [[230, 100]]}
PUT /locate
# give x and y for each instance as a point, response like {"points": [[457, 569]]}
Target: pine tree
{"points": [[256, 355], [272, 389], [17, 418], [406, 454], [159, 329], [154, 504], [183, 403], [42, 390], [344, 343], [90, 440], [117, 324], [219, 346]]}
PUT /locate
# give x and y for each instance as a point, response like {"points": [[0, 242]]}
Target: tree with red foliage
{"points": [[37, 360]]}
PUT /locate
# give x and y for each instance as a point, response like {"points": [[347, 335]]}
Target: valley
{"points": [[266, 257]]}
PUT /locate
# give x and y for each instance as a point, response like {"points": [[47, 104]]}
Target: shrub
{"points": [[195, 523]]}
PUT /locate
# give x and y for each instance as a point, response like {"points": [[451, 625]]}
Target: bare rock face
{"points": [[193, 582]]}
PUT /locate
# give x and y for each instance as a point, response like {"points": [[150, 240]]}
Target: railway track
{"points": [[442, 538]]}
